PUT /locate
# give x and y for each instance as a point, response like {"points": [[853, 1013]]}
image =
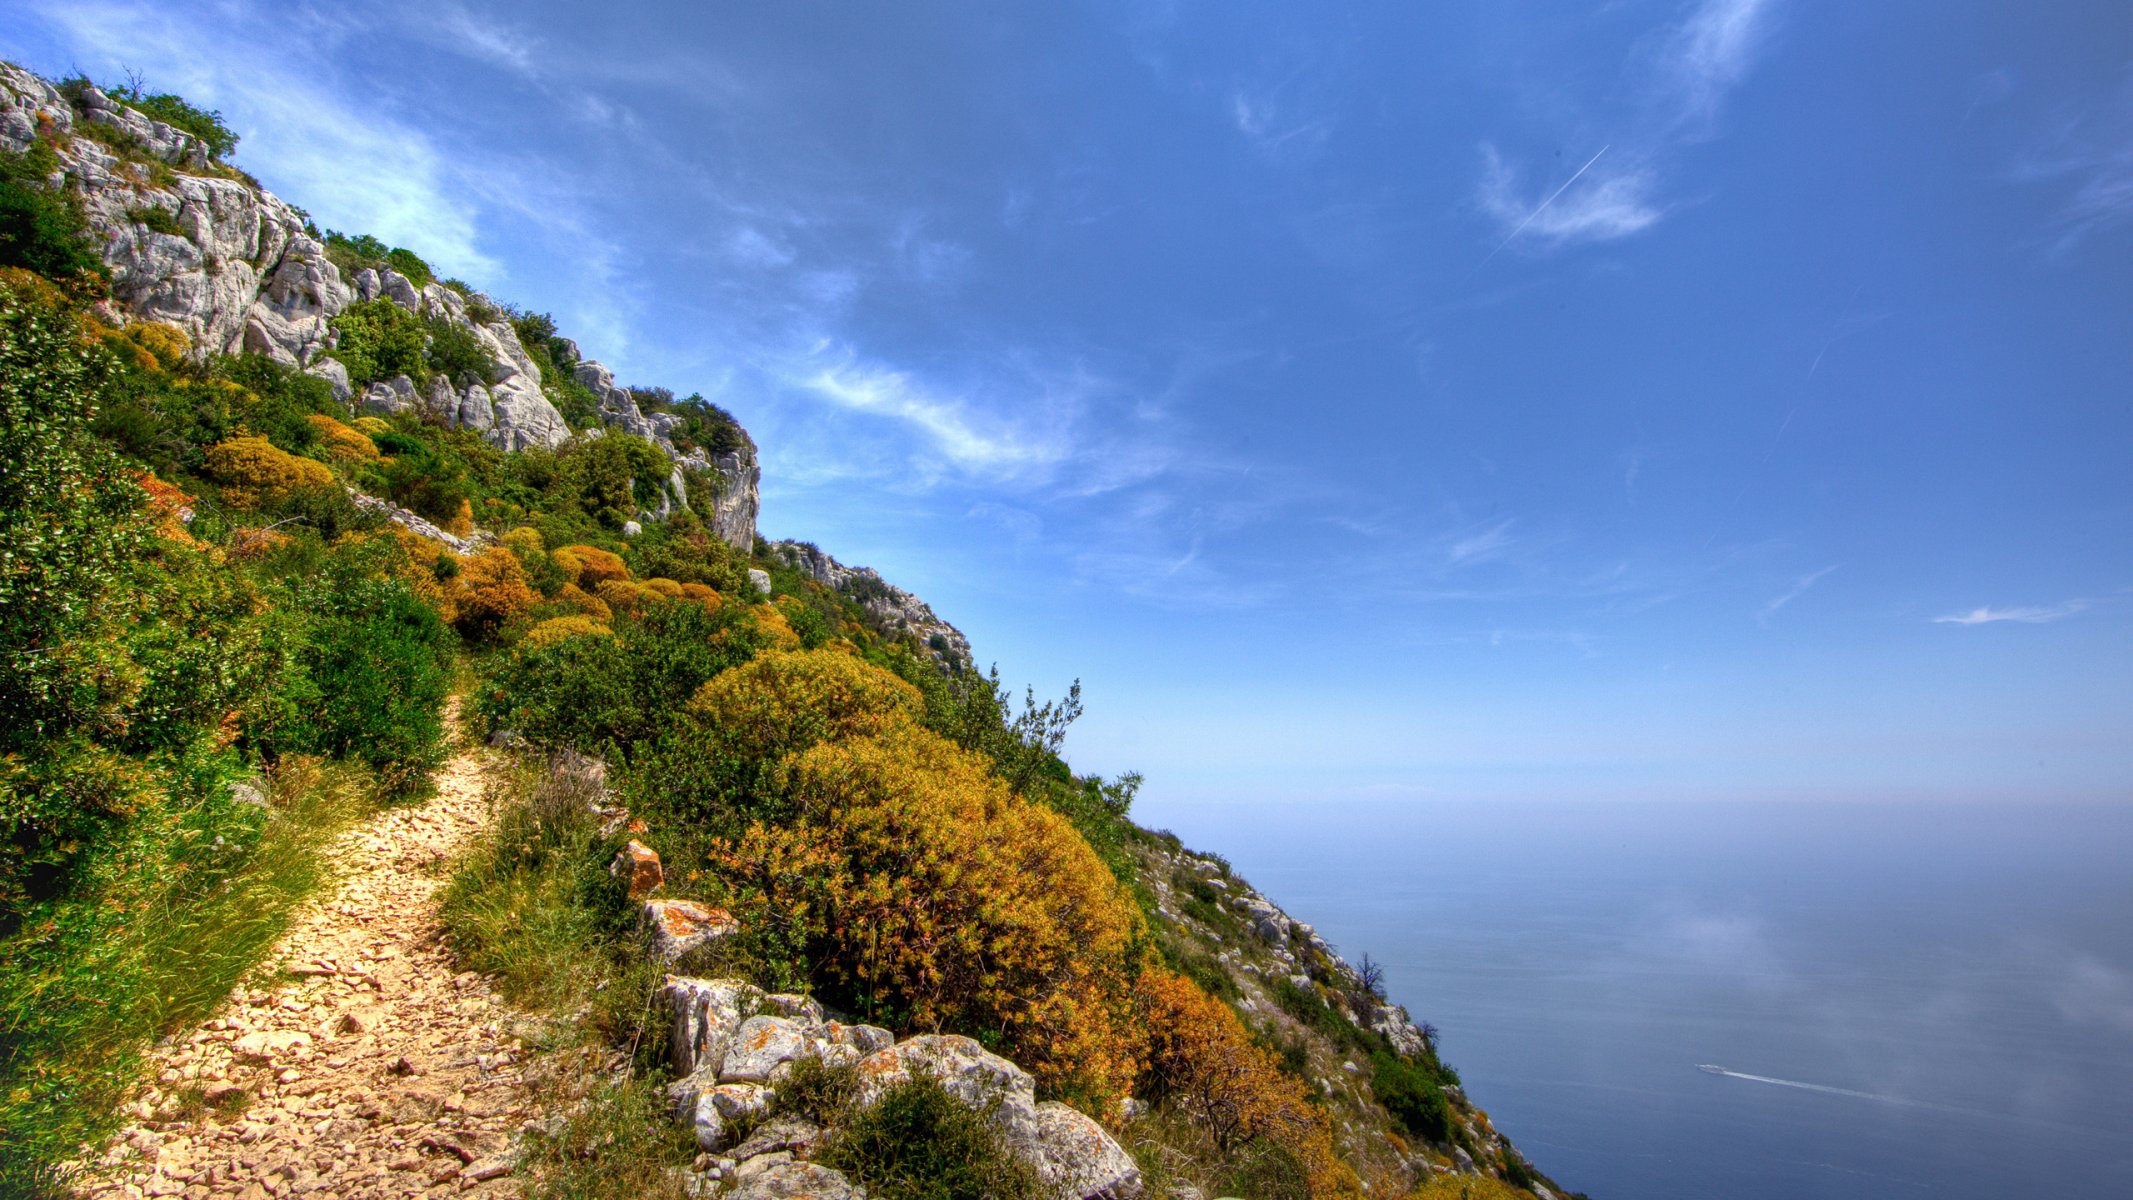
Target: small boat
{"points": [[1712, 1069]]}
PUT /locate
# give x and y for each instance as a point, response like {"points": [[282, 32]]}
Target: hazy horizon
{"points": [[1706, 399]]}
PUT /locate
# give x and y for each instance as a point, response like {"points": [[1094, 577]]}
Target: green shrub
{"points": [[919, 1142], [681, 550], [379, 339], [205, 124], [1413, 1095], [456, 353], [72, 525], [410, 264], [619, 694], [378, 660], [156, 219], [41, 229]]}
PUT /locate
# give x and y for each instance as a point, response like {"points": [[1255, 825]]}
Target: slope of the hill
{"points": [[221, 399], [199, 246]]}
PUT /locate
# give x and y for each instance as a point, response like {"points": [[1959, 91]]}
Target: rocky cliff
{"points": [[894, 610], [242, 272]]}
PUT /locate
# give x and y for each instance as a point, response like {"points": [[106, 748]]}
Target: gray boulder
{"points": [[760, 1046], [1077, 1159], [706, 1014], [786, 1180]]}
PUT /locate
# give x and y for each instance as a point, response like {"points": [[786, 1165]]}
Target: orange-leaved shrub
{"points": [[1204, 1064], [492, 590], [572, 596], [254, 471], [620, 595], [924, 888], [342, 442], [591, 565], [169, 507]]}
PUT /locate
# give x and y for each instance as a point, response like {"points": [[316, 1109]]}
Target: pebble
{"points": [[361, 985]]}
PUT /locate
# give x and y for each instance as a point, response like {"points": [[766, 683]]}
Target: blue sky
{"points": [[1693, 399]]}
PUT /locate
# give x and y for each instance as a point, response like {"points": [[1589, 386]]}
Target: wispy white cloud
{"points": [[956, 428], [1274, 127], [2094, 993], [1711, 53], [1685, 73], [1798, 589], [2088, 157], [1480, 546], [1606, 204], [2028, 615]]}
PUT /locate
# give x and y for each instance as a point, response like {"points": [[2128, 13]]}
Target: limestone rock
{"points": [[388, 396], [866, 1039], [336, 377], [760, 1046], [678, 928], [706, 1014], [759, 579], [1079, 1160], [968, 1071], [794, 1135], [894, 609], [639, 865], [716, 1112], [793, 1181]]}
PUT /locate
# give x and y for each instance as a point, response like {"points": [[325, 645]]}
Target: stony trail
{"points": [[355, 1062]]}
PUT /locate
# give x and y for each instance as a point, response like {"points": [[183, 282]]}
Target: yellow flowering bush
{"points": [[341, 442], [555, 629], [254, 471]]}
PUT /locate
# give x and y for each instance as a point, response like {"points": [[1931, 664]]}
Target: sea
{"points": [[1753, 1001]]}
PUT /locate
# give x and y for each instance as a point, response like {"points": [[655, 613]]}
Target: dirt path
{"points": [[354, 1062]]}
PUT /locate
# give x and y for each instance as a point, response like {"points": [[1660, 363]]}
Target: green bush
{"points": [[72, 525], [1413, 1095], [620, 694], [156, 219], [379, 339], [681, 550], [919, 1142], [361, 252], [456, 353], [41, 229], [375, 664], [205, 124], [410, 264]]}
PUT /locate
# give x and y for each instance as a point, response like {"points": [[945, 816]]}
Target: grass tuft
{"points": [[86, 990]]}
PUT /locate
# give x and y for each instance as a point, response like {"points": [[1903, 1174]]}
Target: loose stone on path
{"points": [[356, 1062]]}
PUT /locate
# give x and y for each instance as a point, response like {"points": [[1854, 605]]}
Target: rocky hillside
{"points": [[202, 247], [803, 742]]}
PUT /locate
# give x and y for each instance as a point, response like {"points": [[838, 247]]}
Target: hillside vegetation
{"points": [[235, 594]]}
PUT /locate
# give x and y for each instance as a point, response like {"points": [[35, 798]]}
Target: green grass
{"points": [[919, 1142], [87, 988], [532, 906]]}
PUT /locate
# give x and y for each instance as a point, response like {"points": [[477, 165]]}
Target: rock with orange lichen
{"points": [[638, 864], [678, 928]]}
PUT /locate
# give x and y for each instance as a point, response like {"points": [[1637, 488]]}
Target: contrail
{"points": [[1538, 211]]}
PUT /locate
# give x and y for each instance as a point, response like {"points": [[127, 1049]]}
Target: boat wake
{"points": [[1714, 1069]]}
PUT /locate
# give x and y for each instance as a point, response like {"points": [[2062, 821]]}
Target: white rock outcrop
{"points": [[245, 275]]}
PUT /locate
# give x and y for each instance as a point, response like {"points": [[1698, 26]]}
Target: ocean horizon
{"points": [[1901, 1000]]}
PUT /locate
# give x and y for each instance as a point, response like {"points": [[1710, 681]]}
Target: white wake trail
{"points": [[1708, 1069]]}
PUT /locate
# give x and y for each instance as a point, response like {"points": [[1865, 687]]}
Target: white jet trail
{"points": [[1531, 216]]}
